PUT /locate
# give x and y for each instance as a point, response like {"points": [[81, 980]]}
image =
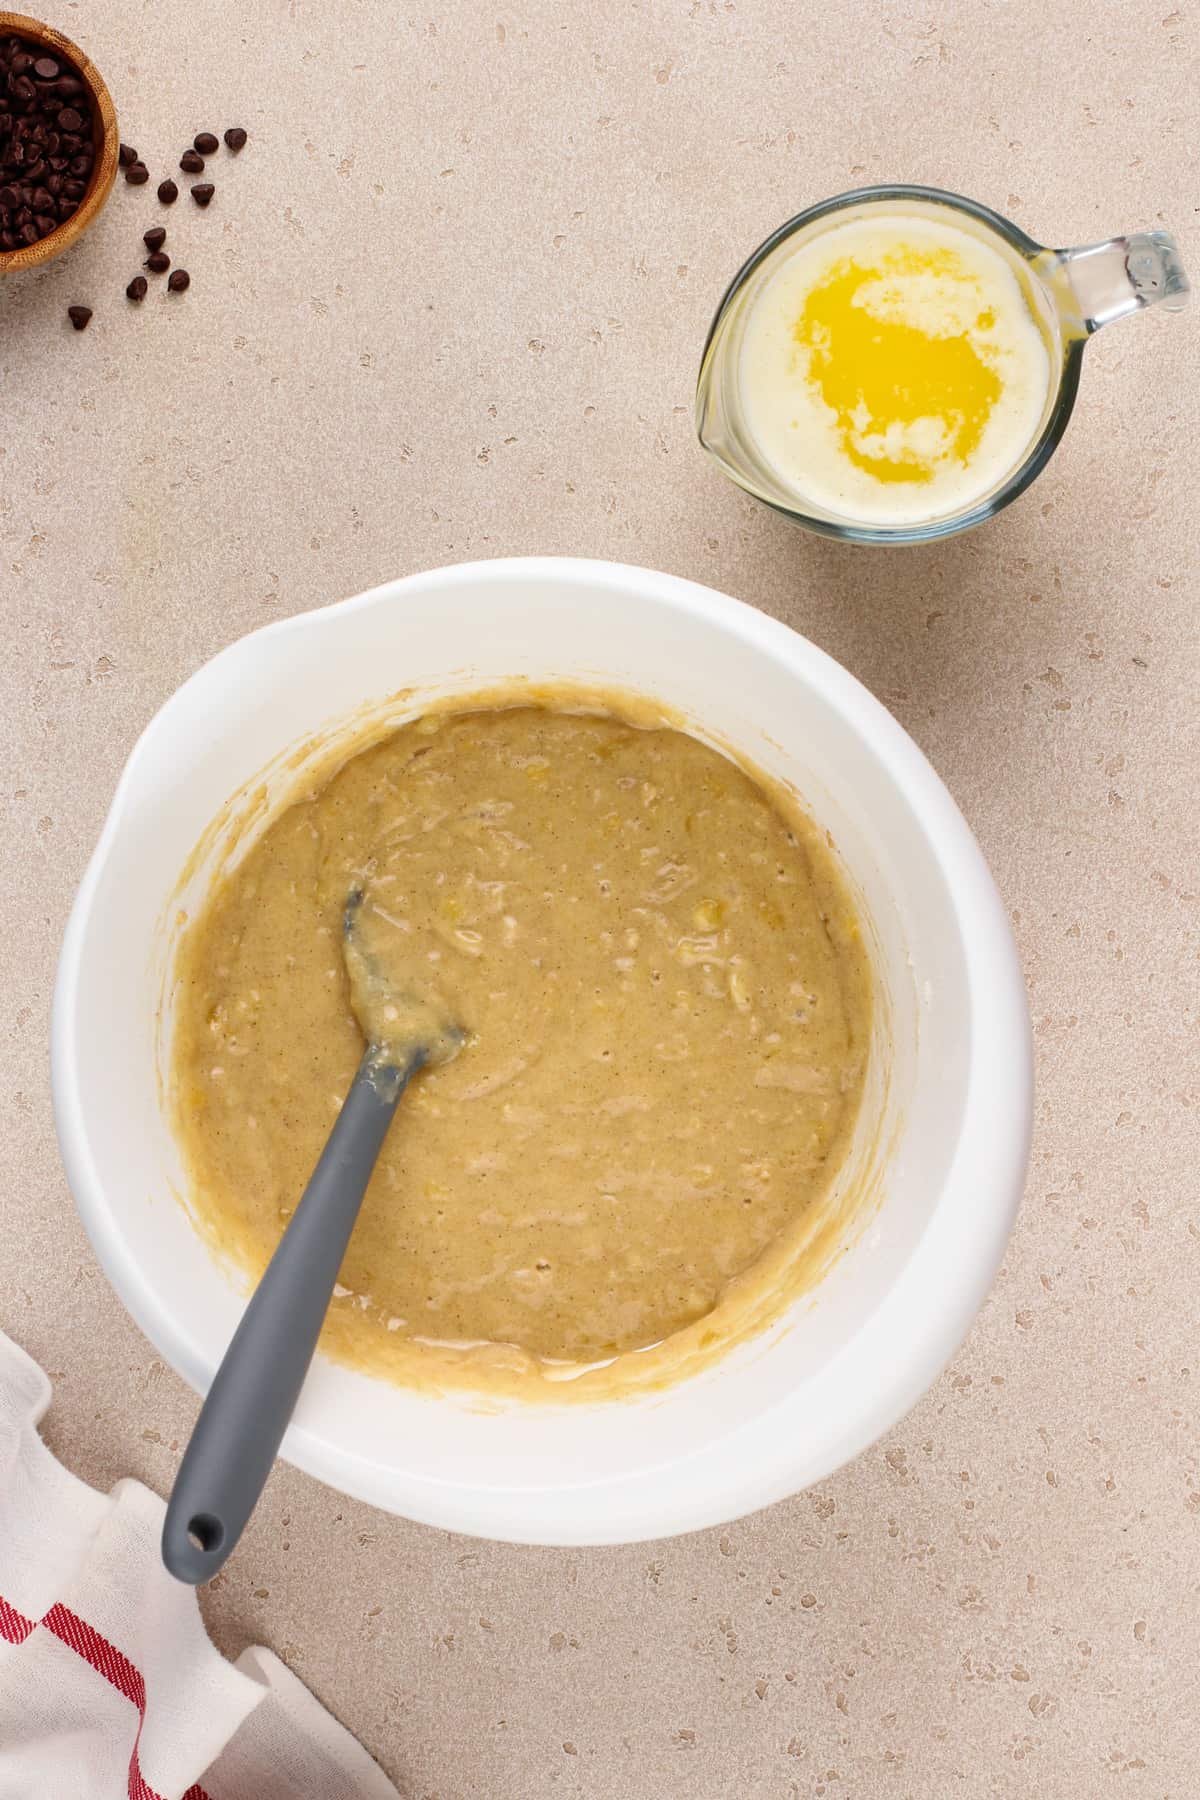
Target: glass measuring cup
{"points": [[1071, 294]]}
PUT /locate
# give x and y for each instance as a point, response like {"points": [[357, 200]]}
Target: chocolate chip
{"points": [[168, 193], [137, 288], [191, 164], [127, 156], [137, 174], [206, 143], [44, 141], [158, 262], [80, 316], [203, 192], [235, 137], [177, 280], [155, 238]]}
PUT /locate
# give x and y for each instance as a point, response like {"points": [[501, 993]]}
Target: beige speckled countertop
{"points": [[449, 303]]}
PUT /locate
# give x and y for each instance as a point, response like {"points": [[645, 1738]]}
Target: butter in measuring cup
{"points": [[892, 369]]}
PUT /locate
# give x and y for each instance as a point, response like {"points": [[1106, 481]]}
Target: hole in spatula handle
{"points": [[205, 1533]]}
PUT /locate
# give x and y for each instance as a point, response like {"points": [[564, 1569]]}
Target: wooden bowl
{"points": [[104, 132]]}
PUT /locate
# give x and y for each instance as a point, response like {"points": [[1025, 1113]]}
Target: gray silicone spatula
{"points": [[255, 1390]]}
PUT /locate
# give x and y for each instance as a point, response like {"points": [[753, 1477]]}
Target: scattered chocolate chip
{"points": [[168, 193], [235, 137], [177, 280], [127, 156], [137, 288], [137, 174], [203, 192], [158, 262], [80, 316], [46, 145], [206, 143], [155, 238], [191, 164]]}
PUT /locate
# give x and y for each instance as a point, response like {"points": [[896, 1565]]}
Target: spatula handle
{"points": [[255, 1390]]}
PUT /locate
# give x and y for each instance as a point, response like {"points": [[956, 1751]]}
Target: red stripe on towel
{"points": [[107, 1660]]}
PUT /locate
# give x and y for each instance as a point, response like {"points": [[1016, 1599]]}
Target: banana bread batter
{"points": [[665, 1006]]}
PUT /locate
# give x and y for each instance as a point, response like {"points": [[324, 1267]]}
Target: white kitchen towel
{"points": [[109, 1686]]}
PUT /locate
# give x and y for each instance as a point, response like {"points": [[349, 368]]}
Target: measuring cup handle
{"points": [[1098, 283]]}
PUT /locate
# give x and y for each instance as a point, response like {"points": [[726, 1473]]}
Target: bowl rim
{"points": [[901, 1348], [104, 170]]}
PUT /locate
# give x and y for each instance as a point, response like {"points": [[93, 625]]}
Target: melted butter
{"points": [[893, 369], [667, 1003], [908, 377]]}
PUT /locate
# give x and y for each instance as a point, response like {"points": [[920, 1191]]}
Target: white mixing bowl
{"points": [[947, 1116]]}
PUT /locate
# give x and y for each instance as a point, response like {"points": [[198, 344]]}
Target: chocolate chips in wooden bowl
{"points": [[60, 154], [58, 142]]}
